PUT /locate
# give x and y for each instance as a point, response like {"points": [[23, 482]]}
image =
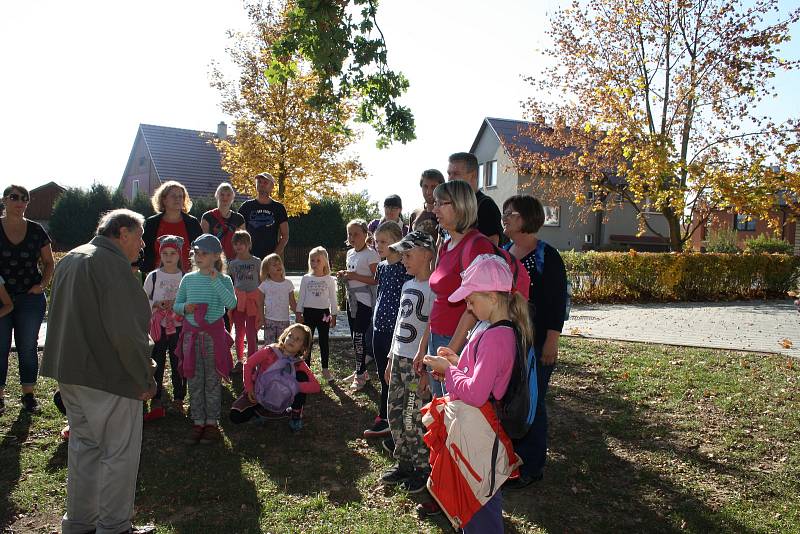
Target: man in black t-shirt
{"points": [[464, 166], [266, 219]]}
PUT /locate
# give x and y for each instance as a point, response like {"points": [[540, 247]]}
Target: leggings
{"points": [[314, 318], [245, 325], [238, 417], [168, 343], [381, 345], [359, 327]]}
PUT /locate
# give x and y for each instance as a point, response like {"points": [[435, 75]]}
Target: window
{"points": [[648, 209], [142, 160], [480, 176], [618, 197], [745, 223], [552, 216], [588, 238], [590, 196], [135, 189], [490, 174]]}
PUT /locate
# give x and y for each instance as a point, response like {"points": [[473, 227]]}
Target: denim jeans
{"points": [[435, 341], [24, 322], [532, 447]]}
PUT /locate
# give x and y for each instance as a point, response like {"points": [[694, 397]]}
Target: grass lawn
{"points": [[644, 439]]}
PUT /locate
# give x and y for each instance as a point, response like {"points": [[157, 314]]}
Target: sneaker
{"points": [[395, 475], [296, 424], [195, 435], [326, 374], [238, 368], [211, 434], [380, 429], [429, 509], [359, 381], [155, 413], [522, 481], [29, 403], [350, 377], [415, 483], [388, 445], [64, 433]]}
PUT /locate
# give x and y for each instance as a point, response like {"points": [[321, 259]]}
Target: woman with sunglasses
{"points": [[26, 264]]}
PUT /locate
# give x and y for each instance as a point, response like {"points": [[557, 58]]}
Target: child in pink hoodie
{"points": [[293, 343]]}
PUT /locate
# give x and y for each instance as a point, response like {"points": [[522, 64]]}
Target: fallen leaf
{"points": [[786, 343]]}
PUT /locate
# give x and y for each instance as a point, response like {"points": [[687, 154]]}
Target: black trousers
{"points": [[312, 317], [164, 344]]}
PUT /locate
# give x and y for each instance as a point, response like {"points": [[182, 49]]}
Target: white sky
{"points": [[79, 77]]}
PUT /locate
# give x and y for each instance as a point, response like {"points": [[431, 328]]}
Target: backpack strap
{"points": [[153, 289]]}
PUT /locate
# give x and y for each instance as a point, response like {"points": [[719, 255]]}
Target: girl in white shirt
{"points": [[278, 299], [362, 261], [316, 305], [161, 286]]}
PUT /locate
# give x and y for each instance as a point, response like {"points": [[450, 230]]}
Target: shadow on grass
{"points": [[10, 449], [592, 486]]}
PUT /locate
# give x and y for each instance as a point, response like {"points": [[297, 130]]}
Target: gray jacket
{"points": [[98, 323]]}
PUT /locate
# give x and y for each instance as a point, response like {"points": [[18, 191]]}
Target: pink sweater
{"points": [[262, 359], [472, 382]]}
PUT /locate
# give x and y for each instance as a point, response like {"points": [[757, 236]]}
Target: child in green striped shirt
{"points": [[204, 348]]}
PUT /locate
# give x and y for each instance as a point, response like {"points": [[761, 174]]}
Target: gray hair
{"points": [[463, 201], [113, 221]]}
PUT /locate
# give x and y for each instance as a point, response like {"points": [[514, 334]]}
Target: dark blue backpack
{"points": [[517, 409]]}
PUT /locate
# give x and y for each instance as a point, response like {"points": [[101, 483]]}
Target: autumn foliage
{"points": [[657, 101], [276, 129]]}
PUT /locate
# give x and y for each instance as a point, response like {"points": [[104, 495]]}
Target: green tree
{"points": [[276, 130], [358, 206], [77, 212], [345, 46], [323, 225]]}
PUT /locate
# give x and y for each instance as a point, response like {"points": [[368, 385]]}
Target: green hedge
{"points": [[641, 277]]}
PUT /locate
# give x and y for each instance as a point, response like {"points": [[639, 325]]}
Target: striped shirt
{"points": [[198, 288]]}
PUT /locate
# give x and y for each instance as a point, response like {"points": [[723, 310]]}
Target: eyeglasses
{"points": [[15, 197], [437, 204], [507, 214]]}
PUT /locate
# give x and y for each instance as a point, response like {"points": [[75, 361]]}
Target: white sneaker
{"points": [[358, 383]]}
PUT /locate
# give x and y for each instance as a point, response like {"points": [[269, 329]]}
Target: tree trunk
{"points": [[674, 225]]}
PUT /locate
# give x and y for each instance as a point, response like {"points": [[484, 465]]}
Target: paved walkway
{"points": [[756, 326]]}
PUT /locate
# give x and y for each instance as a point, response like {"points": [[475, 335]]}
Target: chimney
{"points": [[222, 130]]}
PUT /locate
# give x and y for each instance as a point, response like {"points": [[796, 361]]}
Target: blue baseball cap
{"points": [[207, 243]]}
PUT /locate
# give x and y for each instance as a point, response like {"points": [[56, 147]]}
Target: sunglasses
{"points": [[15, 197]]}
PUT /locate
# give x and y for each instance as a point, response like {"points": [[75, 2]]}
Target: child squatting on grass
{"points": [[161, 287], [317, 304], [264, 395], [248, 315], [362, 261], [483, 370], [204, 348]]}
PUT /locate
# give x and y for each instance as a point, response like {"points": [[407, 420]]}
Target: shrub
{"points": [[723, 240], [626, 277], [767, 244]]}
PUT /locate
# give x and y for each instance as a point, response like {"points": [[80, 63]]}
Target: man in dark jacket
{"points": [[98, 350]]}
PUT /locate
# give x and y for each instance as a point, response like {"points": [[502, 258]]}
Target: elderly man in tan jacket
{"points": [[97, 347]]}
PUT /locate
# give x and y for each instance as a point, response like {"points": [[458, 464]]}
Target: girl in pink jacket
{"points": [[484, 368], [293, 343]]}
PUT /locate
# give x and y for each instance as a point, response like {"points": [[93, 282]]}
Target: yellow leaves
{"points": [[785, 343]]}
